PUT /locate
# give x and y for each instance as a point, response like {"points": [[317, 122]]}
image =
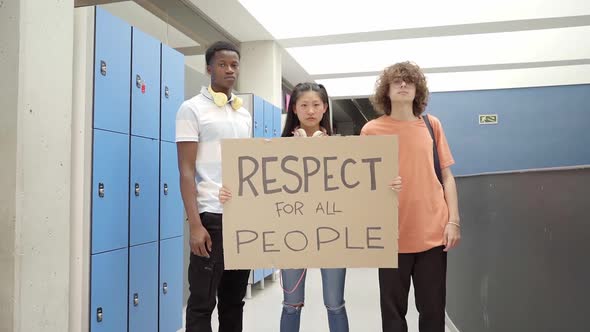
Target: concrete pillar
{"points": [[260, 70], [36, 59], [81, 167]]}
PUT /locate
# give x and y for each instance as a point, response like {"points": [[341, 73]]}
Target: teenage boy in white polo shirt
{"points": [[201, 122]]}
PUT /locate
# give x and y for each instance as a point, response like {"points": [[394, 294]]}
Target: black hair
{"points": [[219, 46], [292, 120]]}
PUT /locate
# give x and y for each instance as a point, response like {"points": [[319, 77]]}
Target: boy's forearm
{"points": [[451, 198], [188, 190]]}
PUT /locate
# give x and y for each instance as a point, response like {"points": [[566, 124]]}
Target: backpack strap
{"points": [[437, 169]]}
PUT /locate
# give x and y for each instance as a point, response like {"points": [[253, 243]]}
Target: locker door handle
{"points": [[103, 68], [135, 300], [136, 189], [274, 132], [165, 288], [165, 189], [265, 129], [166, 92], [101, 189], [99, 314], [138, 81]]}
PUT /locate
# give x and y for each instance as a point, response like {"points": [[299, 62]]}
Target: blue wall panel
{"points": [[538, 128]]}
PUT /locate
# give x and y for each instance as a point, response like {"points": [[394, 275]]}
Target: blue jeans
{"points": [[333, 288]]}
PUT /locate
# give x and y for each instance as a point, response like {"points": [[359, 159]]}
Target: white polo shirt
{"points": [[200, 120]]}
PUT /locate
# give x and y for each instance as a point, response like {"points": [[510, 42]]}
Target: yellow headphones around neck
{"points": [[220, 99]]}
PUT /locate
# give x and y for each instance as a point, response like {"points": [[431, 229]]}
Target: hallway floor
{"points": [[262, 312]]}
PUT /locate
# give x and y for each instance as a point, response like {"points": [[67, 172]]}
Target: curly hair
{"points": [[410, 73]]}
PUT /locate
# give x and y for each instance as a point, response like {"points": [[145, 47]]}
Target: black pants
{"points": [[208, 280], [428, 271]]}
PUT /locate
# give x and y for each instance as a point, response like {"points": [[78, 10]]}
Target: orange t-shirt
{"points": [[423, 211]]}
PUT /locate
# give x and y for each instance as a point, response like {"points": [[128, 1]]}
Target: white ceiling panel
{"points": [[462, 44], [233, 18], [466, 50], [306, 18]]}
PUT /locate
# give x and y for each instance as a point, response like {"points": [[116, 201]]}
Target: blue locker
{"points": [[268, 272], [110, 183], [143, 288], [268, 118], [143, 195], [258, 112], [112, 68], [171, 207], [171, 284], [276, 122], [145, 86], [108, 292], [172, 91], [257, 275]]}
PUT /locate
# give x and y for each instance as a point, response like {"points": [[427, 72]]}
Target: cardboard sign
{"points": [[310, 202]]}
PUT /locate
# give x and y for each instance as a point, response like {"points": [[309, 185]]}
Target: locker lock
{"points": [[165, 288], [136, 189], [274, 132], [101, 189], [135, 299], [138, 81], [255, 124], [166, 92], [99, 314], [265, 129], [103, 68], [165, 188]]}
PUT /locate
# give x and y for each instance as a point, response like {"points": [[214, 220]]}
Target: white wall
{"points": [[193, 81], [197, 62]]}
